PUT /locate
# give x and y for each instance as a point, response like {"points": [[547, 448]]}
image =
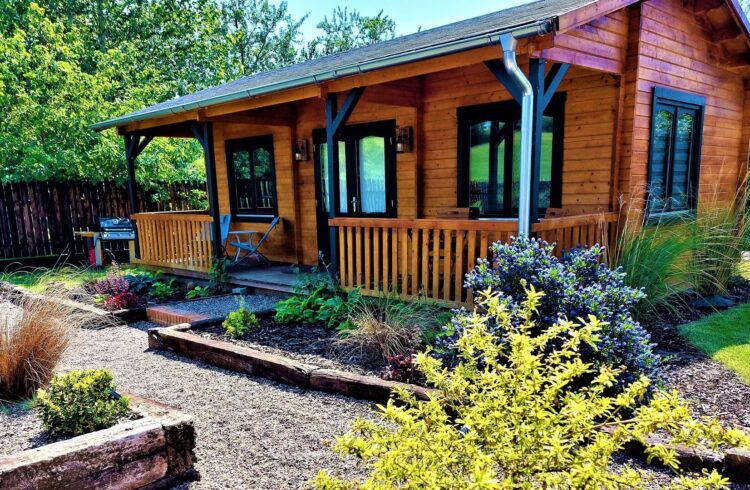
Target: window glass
{"points": [[251, 162], [323, 152], [372, 179], [494, 155], [674, 152]]}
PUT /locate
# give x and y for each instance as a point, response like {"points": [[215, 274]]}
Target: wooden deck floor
{"points": [[276, 277]]}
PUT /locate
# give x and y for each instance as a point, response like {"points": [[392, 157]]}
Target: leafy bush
{"points": [[114, 283], [218, 277], [403, 368], [514, 413], [80, 402], [578, 285], [198, 292], [386, 326], [317, 300], [162, 290], [240, 321], [121, 301], [141, 283], [33, 339]]}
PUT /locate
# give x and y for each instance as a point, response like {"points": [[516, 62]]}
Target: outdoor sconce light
{"points": [[403, 139], [300, 151]]}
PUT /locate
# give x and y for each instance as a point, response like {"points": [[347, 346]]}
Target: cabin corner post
{"points": [[204, 133], [135, 143], [335, 120]]}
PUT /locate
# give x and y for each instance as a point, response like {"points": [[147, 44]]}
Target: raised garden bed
{"points": [[234, 357], [155, 449]]}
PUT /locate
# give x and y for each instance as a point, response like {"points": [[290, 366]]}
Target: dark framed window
{"points": [[252, 178], [489, 152], [674, 151], [366, 173]]}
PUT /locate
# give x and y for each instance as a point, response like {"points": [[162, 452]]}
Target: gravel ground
{"points": [[221, 306], [20, 429], [251, 432]]}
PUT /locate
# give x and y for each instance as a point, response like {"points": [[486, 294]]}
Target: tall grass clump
{"points": [[34, 335], [655, 257], [719, 234]]}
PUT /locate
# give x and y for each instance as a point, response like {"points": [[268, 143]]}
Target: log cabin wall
{"points": [[670, 48]]}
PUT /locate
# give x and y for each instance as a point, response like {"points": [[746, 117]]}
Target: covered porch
{"points": [[467, 155]]}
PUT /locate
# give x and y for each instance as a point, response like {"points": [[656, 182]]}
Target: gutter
{"points": [[537, 28]]}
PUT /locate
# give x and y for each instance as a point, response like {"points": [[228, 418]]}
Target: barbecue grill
{"points": [[111, 228]]}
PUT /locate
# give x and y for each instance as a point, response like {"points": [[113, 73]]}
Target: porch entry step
{"points": [[167, 316]]}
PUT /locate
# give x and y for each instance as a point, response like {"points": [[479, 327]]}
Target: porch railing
{"points": [[431, 256], [178, 240]]}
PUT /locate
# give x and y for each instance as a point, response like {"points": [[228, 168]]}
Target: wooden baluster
{"points": [[377, 266], [394, 260], [424, 280], [414, 270], [435, 263], [472, 259], [459, 268], [483, 250], [386, 259], [350, 256], [358, 276], [342, 256], [368, 265], [404, 262], [447, 264]]}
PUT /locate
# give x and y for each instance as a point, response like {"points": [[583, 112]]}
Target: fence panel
{"points": [[38, 219]]}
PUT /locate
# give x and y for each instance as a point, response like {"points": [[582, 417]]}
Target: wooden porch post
{"points": [[204, 133], [335, 120], [134, 144]]}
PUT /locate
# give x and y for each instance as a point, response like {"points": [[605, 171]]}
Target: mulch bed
{"points": [[313, 344], [712, 389]]}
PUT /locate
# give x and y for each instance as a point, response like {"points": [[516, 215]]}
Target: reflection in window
{"points": [[674, 152], [251, 165]]}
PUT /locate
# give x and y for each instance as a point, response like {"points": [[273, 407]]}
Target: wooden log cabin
{"points": [[402, 161]]}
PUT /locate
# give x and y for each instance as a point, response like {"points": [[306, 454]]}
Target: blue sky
{"points": [[408, 14]]}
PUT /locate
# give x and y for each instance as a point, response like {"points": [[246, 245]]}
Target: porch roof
{"points": [[455, 37]]}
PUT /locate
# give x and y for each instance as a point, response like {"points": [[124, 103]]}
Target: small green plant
{"points": [[218, 277], [80, 402], [162, 290], [513, 414], [240, 321], [198, 292]]}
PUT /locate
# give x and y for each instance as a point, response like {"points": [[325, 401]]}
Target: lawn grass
{"points": [[725, 337], [39, 278]]}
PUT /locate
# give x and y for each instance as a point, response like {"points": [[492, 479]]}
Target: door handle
{"points": [[354, 204]]}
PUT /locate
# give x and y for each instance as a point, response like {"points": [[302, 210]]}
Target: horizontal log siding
{"points": [[672, 49]]}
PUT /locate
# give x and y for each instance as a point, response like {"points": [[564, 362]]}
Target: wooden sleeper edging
{"points": [[279, 368], [156, 449]]}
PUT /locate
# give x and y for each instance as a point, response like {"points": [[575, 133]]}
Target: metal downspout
{"points": [[509, 42]]}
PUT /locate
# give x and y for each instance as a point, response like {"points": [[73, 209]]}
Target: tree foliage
{"points": [[348, 30], [507, 418], [66, 64]]}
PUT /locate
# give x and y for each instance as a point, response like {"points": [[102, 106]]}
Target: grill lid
{"points": [[115, 224]]}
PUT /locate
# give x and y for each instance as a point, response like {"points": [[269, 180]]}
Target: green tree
{"points": [[348, 30]]}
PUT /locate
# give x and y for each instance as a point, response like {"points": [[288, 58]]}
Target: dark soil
{"points": [[712, 389], [312, 344]]}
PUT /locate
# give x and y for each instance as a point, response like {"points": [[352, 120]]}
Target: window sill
{"points": [[253, 218]]}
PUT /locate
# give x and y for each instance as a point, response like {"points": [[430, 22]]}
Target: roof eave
{"points": [[536, 28]]}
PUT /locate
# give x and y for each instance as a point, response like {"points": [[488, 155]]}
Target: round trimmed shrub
{"points": [[576, 286], [80, 402]]}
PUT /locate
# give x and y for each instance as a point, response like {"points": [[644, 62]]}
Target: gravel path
{"points": [[251, 432], [221, 306]]}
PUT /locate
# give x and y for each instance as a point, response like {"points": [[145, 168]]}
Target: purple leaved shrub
{"points": [[575, 286], [112, 285]]}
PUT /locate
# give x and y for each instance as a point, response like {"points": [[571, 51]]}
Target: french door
{"points": [[365, 180]]}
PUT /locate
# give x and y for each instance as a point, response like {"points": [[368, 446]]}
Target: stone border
{"points": [[279, 368], [154, 451]]}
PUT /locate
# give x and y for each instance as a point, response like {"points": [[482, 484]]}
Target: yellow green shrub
{"points": [[512, 414]]}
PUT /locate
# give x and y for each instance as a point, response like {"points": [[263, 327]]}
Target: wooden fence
{"points": [[432, 256], [37, 219]]}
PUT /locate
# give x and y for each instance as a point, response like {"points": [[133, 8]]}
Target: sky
{"points": [[409, 15]]}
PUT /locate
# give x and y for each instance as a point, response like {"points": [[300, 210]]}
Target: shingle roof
{"points": [[307, 72]]}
